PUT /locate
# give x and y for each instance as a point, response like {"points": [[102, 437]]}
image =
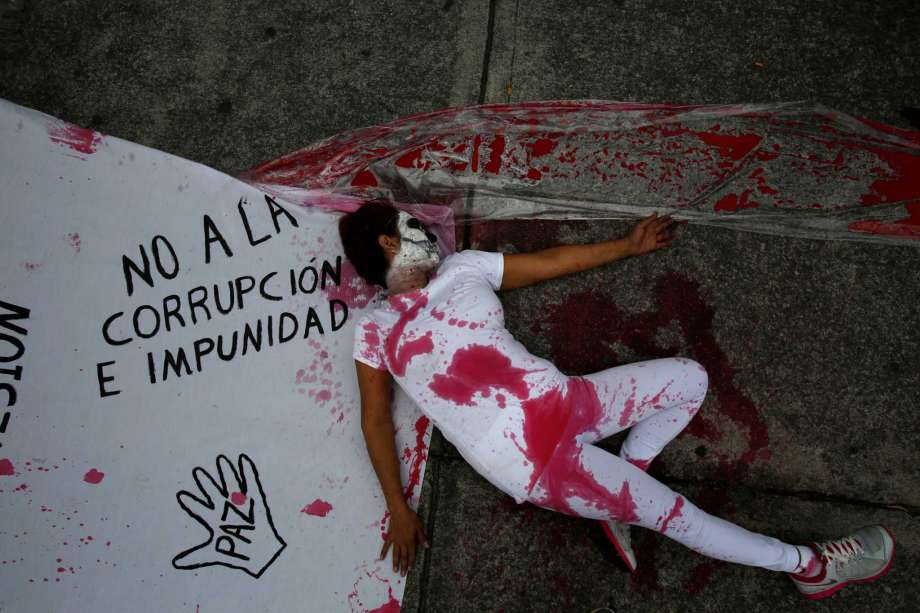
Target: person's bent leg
{"points": [[586, 481], [657, 398]]}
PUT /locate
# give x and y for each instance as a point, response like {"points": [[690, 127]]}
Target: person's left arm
{"points": [[522, 269]]}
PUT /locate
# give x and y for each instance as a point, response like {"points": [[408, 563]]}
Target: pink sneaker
{"points": [[618, 534], [862, 557]]}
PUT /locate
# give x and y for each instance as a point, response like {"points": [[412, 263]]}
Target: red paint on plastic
{"points": [[551, 423], [365, 178], [495, 159], [6, 468], [476, 368]]}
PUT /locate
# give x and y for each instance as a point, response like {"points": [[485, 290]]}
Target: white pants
{"points": [[656, 399]]}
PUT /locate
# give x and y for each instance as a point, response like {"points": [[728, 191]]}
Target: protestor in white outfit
{"points": [[530, 429]]}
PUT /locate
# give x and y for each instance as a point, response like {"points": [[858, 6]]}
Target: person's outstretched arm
{"points": [[405, 530], [522, 269]]}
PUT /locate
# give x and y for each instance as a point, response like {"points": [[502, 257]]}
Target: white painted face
{"points": [[417, 246]]}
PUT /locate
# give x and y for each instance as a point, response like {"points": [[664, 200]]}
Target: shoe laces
{"points": [[841, 550]]}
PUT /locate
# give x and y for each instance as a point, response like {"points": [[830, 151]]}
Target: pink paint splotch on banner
{"points": [[94, 476], [319, 508], [73, 239], [82, 141], [353, 289], [6, 468], [238, 498]]}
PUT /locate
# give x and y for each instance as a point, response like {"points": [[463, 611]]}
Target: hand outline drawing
{"points": [[246, 538]]}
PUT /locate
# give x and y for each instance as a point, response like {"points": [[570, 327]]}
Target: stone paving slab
{"points": [[232, 84], [489, 554], [809, 346], [858, 58]]}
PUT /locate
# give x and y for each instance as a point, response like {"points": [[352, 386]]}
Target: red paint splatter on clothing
{"points": [[673, 514], [439, 315], [94, 476], [81, 140], [371, 348], [319, 508], [629, 406], [640, 464], [420, 453], [500, 399], [552, 421], [238, 498], [353, 290], [399, 351], [476, 368], [6, 468]]}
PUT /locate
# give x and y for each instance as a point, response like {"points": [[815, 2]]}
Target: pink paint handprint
{"points": [[234, 510]]}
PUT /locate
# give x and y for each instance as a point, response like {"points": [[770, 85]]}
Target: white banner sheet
{"points": [[180, 415]]}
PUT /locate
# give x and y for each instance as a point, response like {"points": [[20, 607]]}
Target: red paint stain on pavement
{"points": [[94, 476], [6, 468], [476, 368], [399, 351], [81, 140], [571, 326], [319, 508], [700, 575], [238, 498]]}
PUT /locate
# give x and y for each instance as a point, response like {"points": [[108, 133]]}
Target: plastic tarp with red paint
{"points": [[790, 169]]}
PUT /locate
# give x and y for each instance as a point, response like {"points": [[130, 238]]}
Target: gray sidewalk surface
{"points": [[811, 426]]}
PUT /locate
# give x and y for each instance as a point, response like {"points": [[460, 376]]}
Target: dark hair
{"points": [[359, 231]]}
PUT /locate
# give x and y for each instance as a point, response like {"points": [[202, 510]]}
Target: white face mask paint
{"points": [[417, 256]]}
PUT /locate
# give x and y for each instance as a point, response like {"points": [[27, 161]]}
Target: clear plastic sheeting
{"points": [[789, 169]]}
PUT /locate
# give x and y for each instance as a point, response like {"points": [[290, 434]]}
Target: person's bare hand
{"points": [[404, 534], [651, 233]]}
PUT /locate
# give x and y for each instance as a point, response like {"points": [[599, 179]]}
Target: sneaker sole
{"points": [[616, 545], [878, 575]]}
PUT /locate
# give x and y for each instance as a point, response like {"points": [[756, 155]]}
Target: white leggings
{"points": [[657, 399]]}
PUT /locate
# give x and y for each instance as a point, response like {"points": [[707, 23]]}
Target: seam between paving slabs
{"points": [[807, 495]]}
